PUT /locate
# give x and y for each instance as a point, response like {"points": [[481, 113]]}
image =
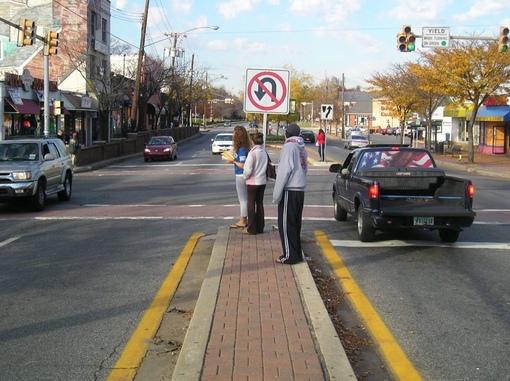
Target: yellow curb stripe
{"points": [[126, 367], [395, 357]]}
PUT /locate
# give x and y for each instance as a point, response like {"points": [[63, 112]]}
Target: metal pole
{"points": [[46, 96], [2, 89]]}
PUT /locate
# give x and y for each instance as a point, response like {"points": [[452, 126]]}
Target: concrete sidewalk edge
{"points": [[191, 358], [334, 359]]}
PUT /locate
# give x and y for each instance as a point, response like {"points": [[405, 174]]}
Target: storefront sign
{"points": [[15, 95]]}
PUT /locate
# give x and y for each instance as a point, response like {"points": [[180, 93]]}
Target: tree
{"points": [[397, 86], [468, 71], [429, 97]]}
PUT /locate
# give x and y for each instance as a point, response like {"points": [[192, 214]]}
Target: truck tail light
{"points": [[470, 190], [373, 191]]}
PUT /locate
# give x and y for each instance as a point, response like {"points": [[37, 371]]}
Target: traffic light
{"points": [[503, 39], [57, 107], [406, 40], [51, 43], [28, 33], [401, 42]]}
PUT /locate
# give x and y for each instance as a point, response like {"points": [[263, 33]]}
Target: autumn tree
{"points": [[429, 97], [469, 71], [397, 85]]}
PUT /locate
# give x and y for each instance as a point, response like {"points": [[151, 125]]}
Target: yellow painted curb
{"points": [[126, 367], [393, 354]]}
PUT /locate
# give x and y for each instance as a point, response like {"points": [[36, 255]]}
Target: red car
{"points": [[160, 147]]}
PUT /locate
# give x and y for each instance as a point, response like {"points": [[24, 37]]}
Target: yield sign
{"points": [[267, 91]]}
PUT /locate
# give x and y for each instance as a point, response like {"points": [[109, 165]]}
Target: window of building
{"points": [[93, 24], [103, 30]]}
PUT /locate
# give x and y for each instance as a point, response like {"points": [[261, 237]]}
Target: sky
{"points": [[321, 38]]}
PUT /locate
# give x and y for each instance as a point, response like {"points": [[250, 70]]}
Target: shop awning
{"points": [[28, 107], [74, 103], [493, 114]]}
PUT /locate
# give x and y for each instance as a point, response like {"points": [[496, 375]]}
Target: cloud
{"points": [[419, 9], [489, 7], [230, 9], [333, 10], [182, 6]]}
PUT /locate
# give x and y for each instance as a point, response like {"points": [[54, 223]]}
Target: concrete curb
{"points": [[334, 358], [191, 358]]}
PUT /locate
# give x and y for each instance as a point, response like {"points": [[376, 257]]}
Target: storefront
{"points": [[23, 108], [494, 129]]}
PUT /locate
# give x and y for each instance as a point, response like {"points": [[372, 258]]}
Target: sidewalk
{"points": [[256, 319]]}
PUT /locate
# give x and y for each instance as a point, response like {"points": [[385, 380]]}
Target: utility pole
{"points": [[134, 105]]}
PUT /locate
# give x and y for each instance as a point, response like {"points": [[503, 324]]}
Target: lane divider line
{"points": [[393, 354], [136, 348]]}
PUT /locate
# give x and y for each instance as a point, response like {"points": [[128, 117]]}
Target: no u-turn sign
{"points": [[267, 91]]}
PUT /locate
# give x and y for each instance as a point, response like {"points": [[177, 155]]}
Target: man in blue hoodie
{"points": [[289, 194]]}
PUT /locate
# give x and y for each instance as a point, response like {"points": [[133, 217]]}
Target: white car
{"points": [[222, 142], [356, 141]]}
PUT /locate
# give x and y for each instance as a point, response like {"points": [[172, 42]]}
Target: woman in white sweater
{"points": [[255, 168]]}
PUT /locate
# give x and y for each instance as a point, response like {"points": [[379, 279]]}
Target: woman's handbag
{"points": [[271, 169]]}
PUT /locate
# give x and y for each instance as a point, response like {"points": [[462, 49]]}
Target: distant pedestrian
{"points": [[74, 146], [321, 144], [289, 194], [255, 168], [242, 146]]}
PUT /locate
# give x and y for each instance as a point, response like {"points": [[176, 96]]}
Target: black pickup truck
{"points": [[399, 187]]}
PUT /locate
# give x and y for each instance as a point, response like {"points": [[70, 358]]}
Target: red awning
{"points": [[28, 107]]}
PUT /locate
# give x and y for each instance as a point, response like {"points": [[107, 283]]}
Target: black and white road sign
{"points": [[267, 91], [327, 112]]}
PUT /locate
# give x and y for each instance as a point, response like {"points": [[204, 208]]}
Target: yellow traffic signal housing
{"points": [[27, 33], [57, 107], [410, 42], [503, 39], [51, 43], [406, 39], [401, 42]]}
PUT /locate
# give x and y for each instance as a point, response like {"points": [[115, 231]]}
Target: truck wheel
{"points": [[340, 213], [65, 194], [366, 232], [449, 235], [38, 200]]}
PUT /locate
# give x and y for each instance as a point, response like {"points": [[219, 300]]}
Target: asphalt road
{"points": [[76, 279]]}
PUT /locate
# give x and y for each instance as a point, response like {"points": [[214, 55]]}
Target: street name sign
{"points": [[435, 37], [267, 91]]}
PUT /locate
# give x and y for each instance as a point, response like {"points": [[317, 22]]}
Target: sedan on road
{"points": [[308, 136], [222, 142], [160, 148], [356, 141]]}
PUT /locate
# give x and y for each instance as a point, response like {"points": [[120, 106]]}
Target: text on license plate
{"points": [[423, 221]]}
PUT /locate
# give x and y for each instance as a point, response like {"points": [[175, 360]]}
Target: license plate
{"points": [[423, 221]]}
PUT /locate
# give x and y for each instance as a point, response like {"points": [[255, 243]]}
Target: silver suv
{"points": [[32, 169]]}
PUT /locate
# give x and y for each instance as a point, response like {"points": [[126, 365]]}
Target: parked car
{"points": [[356, 141], [227, 123], [308, 136], [222, 142], [161, 148], [32, 169]]}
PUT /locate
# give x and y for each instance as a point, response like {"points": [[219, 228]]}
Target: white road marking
{"points": [[397, 243], [8, 241]]}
